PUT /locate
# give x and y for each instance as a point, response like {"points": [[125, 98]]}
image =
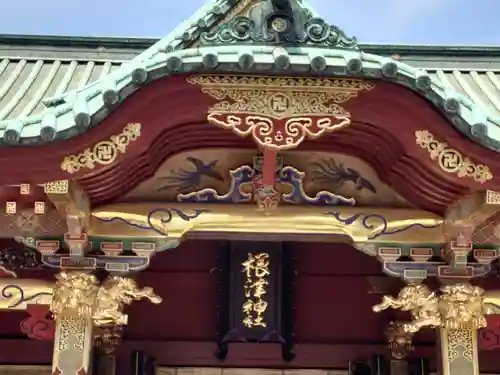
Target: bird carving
{"points": [[188, 179], [333, 175]]}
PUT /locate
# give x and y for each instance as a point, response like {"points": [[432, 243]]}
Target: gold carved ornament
{"points": [[256, 270], [419, 301], [458, 306], [79, 294], [451, 160], [400, 341], [104, 152], [279, 112]]}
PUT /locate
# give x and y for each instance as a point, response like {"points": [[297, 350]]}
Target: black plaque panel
{"points": [[255, 279]]}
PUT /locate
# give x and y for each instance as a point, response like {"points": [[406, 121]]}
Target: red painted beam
{"points": [[173, 117]]}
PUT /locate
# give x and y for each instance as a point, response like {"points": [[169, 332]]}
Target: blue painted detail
{"points": [[187, 179], [239, 177], [165, 215], [134, 263], [245, 175], [372, 221], [295, 179], [12, 290], [397, 269]]}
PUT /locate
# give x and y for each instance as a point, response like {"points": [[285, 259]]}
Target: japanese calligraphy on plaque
{"points": [[257, 271], [253, 297]]}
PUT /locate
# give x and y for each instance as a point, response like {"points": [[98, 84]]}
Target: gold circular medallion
{"points": [[450, 160], [280, 104], [105, 152]]}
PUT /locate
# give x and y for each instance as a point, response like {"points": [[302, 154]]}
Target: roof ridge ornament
{"points": [[281, 22]]}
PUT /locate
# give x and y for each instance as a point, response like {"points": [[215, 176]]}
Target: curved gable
{"points": [[219, 37]]}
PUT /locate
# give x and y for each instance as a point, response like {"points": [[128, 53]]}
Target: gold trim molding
{"points": [[104, 152], [334, 224], [451, 160]]}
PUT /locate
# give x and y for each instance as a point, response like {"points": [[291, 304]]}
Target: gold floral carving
{"points": [[104, 152], [457, 306], [451, 160], [461, 306], [279, 112], [79, 294], [74, 294]]}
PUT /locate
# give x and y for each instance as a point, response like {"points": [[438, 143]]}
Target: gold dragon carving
{"points": [[113, 295], [457, 306], [417, 299], [80, 294]]}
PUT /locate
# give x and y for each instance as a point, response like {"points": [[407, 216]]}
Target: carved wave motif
{"points": [[239, 177], [288, 176], [306, 30]]}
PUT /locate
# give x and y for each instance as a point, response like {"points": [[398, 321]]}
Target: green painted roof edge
{"points": [[136, 43], [91, 105], [75, 112]]}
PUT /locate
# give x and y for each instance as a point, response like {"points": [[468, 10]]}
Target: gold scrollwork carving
{"points": [[256, 269], [104, 152], [279, 112], [451, 160]]}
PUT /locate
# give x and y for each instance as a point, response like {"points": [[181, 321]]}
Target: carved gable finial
{"points": [[278, 22]]}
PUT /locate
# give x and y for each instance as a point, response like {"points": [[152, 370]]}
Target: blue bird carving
{"points": [[185, 180], [333, 175]]}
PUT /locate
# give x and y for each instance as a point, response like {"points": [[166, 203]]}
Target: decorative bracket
{"points": [[461, 221], [74, 205]]}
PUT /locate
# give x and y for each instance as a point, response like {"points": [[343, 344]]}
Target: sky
{"points": [[371, 21]]}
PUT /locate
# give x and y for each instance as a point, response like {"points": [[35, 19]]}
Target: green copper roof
{"points": [[45, 99]]}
